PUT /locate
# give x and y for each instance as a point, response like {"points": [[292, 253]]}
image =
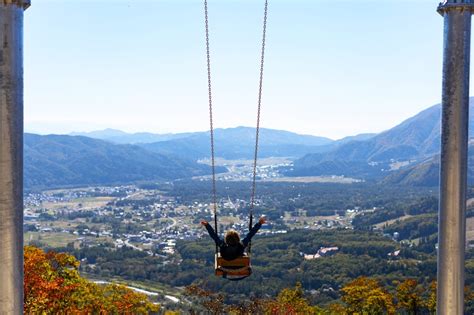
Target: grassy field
{"points": [[82, 203], [51, 239], [57, 239]]}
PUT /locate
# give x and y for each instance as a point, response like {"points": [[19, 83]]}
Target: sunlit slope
{"points": [[415, 139], [426, 173]]}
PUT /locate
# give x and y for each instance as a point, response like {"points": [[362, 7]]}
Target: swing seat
{"points": [[239, 267]]}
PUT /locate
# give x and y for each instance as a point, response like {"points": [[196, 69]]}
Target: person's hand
{"points": [[262, 220], [204, 222]]}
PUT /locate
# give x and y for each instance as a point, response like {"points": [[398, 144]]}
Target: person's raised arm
{"points": [[254, 230], [212, 233]]}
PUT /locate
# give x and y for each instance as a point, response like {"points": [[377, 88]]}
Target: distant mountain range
{"points": [[121, 137], [406, 154], [230, 143], [272, 136], [239, 143], [71, 160], [55, 161]]}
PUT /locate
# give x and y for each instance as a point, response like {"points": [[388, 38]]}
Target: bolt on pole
{"points": [[454, 142], [11, 155]]}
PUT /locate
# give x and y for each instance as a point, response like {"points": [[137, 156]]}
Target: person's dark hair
{"points": [[232, 238]]}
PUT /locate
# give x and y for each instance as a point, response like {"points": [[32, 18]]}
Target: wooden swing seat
{"points": [[239, 267]]}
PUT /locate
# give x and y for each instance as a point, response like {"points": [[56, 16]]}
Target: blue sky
{"points": [[333, 68]]}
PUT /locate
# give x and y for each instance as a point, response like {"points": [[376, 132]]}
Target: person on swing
{"points": [[231, 247]]}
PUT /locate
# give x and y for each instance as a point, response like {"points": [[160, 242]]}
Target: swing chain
{"points": [[257, 132], [208, 55]]}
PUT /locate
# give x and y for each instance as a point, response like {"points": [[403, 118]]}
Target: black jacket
{"points": [[232, 252]]}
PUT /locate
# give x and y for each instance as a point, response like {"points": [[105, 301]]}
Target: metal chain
{"points": [[257, 131], [208, 54]]}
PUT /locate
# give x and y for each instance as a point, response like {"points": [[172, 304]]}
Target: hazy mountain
{"points": [[74, 160], [238, 143], [118, 136], [416, 138], [101, 134]]}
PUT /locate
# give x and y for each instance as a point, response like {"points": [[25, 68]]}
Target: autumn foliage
{"points": [[52, 285], [361, 296], [289, 301], [366, 296]]}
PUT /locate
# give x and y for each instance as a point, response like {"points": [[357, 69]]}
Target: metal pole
{"points": [[454, 139], [11, 155]]}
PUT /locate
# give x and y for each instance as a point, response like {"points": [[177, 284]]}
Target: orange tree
{"points": [[410, 297], [52, 285], [366, 296], [292, 301]]}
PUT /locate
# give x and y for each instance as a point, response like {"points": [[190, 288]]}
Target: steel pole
{"points": [[11, 155], [454, 139]]}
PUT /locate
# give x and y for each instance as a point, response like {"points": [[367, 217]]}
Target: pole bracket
{"points": [[460, 5], [25, 4]]}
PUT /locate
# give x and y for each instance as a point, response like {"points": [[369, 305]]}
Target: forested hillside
{"points": [[52, 161], [278, 262]]}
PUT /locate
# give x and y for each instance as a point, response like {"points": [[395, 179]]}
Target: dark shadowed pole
{"points": [[11, 155], [454, 137]]}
